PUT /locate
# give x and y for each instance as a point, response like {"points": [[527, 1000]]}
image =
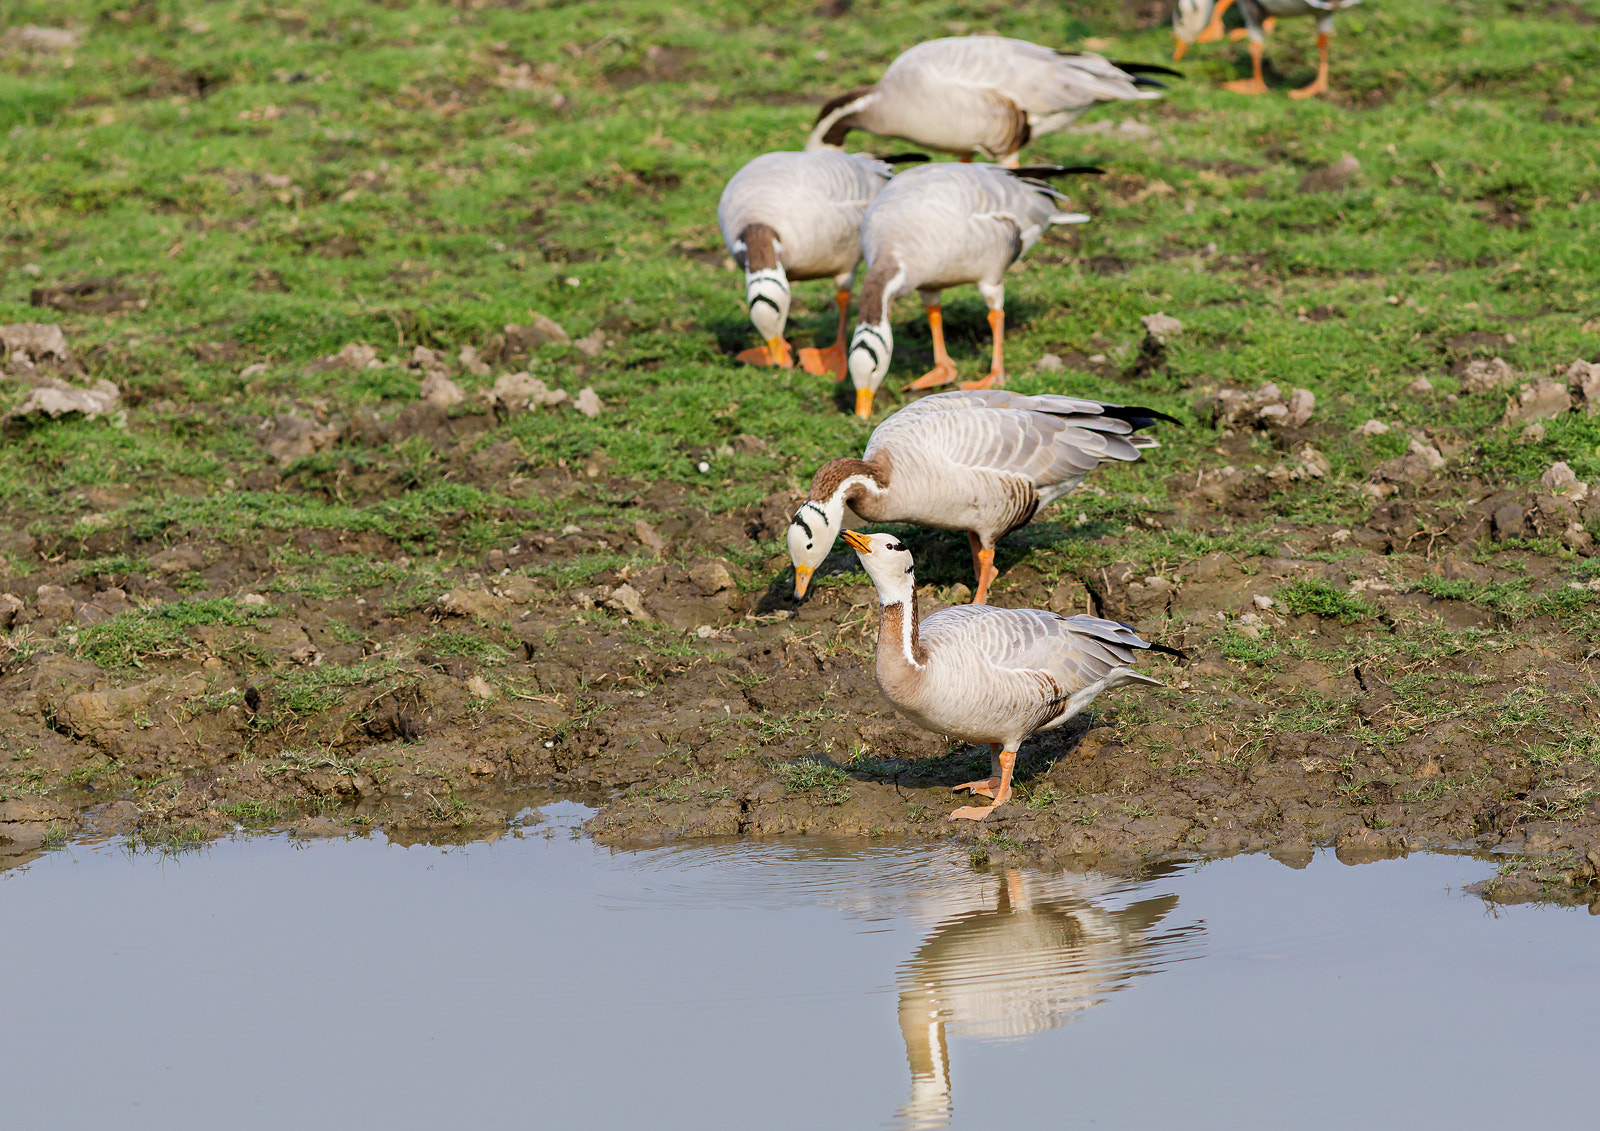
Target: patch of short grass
{"points": [[159, 631], [1301, 597]]}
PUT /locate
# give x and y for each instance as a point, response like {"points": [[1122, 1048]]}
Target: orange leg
{"points": [[832, 359], [1319, 85], [1256, 84], [990, 784], [997, 370], [983, 566], [1214, 30], [944, 370], [775, 352], [1002, 794]]}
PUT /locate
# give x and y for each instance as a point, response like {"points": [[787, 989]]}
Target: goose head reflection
{"points": [[1025, 957]]}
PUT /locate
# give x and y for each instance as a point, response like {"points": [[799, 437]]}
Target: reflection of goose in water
{"points": [[1018, 965]]}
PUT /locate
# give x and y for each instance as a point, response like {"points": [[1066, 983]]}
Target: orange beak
{"points": [[802, 580], [858, 541], [863, 403]]}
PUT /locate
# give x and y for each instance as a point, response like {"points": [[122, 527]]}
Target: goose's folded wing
{"points": [[1044, 447], [1075, 651]]}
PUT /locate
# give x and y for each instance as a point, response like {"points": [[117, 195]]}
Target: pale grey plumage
{"points": [[981, 461], [1000, 675], [814, 201], [977, 94], [947, 224]]}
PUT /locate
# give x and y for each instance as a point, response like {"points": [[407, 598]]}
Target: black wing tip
{"points": [[1145, 69], [1139, 416], [1039, 172], [903, 158], [1162, 648], [1142, 82]]}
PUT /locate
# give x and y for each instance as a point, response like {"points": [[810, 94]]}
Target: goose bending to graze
{"points": [[983, 462], [981, 95], [982, 674], [939, 226], [798, 216], [1200, 21]]}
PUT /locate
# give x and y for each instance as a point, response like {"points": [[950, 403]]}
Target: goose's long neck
{"points": [[878, 290], [850, 481], [900, 650]]}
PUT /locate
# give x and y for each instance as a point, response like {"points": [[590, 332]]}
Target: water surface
{"points": [[544, 981]]}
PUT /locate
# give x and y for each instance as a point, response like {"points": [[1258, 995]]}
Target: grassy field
{"points": [[209, 197]]}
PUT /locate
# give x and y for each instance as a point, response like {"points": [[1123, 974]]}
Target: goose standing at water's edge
{"points": [[987, 675], [981, 95], [982, 462], [796, 216], [940, 226]]}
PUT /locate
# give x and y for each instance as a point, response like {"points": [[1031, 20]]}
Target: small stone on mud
{"points": [[626, 599], [1544, 399], [437, 389], [306, 654], [356, 355], [588, 403], [1420, 386], [468, 357], [1482, 376], [648, 537], [1162, 327], [1049, 363], [480, 688], [591, 345], [250, 371], [710, 578], [179, 559], [1373, 428], [1533, 433], [35, 341], [540, 331], [1261, 601], [1583, 382], [464, 602], [1562, 480], [54, 399], [253, 600], [958, 594]]}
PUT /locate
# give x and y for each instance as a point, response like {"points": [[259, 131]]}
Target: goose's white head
{"points": [[887, 562], [767, 293], [811, 533], [871, 347], [1189, 19]]}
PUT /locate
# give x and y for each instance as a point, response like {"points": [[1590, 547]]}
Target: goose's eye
{"points": [[896, 547], [808, 545]]}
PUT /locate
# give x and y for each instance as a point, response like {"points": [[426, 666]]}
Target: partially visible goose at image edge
{"points": [[983, 462], [982, 95], [987, 675], [1200, 21], [797, 216], [939, 226]]}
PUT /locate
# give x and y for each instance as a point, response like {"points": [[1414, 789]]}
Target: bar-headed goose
{"points": [[983, 461], [940, 226], [981, 95], [1199, 21], [982, 674], [798, 216]]}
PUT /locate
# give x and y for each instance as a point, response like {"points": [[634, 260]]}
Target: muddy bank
{"points": [[1421, 679]]}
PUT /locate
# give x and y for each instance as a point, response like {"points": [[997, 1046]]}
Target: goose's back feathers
{"points": [[814, 201], [983, 93], [946, 224], [989, 450]]}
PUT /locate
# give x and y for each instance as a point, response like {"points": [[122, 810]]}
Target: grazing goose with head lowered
{"points": [[939, 226], [982, 674], [798, 216], [1199, 21], [983, 461], [981, 95]]}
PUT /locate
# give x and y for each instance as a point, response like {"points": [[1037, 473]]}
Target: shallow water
{"points": [[544, 981]]}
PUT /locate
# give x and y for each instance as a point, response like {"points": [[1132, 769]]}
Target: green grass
{"points": [[1301, 597], [485, 161], [129, 638]]}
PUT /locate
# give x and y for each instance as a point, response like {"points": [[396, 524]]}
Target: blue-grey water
{"points": [[542, 981]]}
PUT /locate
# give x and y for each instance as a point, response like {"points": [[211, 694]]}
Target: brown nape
{"points": [[874, 305], [759, 254], [835, 472], [836, 132], [889, 629]]}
